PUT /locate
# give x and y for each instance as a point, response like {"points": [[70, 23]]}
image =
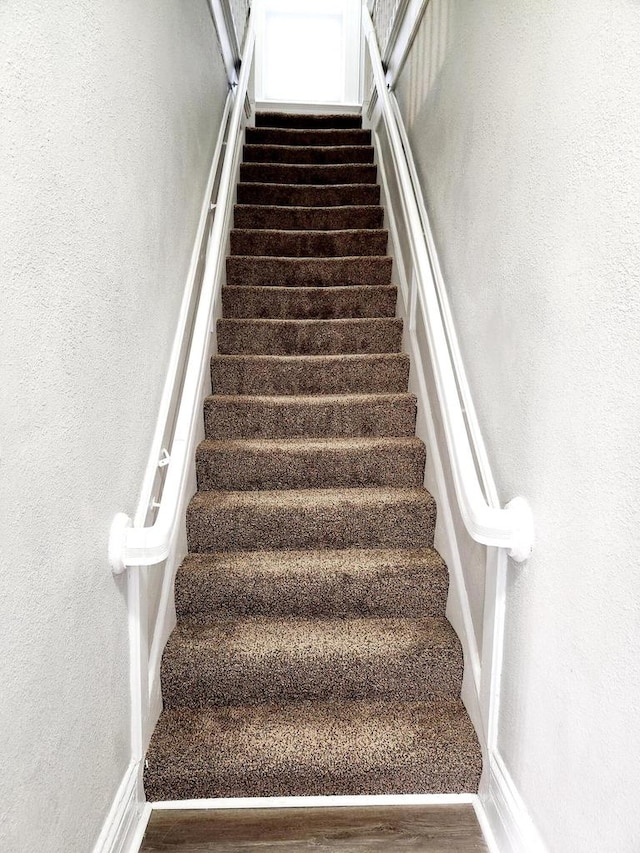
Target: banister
{"points": [[149, 545], [511, 526]]}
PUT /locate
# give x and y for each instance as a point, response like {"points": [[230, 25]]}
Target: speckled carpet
{"points": [[312, 655]]}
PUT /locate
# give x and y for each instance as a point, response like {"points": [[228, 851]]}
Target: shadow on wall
{"points": [[429, 52]]}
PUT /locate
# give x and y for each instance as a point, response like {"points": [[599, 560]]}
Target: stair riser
{"points": [[277, 173], [332, 375], [347, 524], [308, 303], [316, 218], [413, 776], [290, 195], [303, 584], [260, 417], [308, 244], [363, 748], [192, 678], [299, 137], [311, 272], [299, 120], [235, 468], [308, 154], [309, 337]]}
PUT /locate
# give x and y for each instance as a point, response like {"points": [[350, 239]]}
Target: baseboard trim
{"points": [[506, 817], [320, 802], [122, 821]]}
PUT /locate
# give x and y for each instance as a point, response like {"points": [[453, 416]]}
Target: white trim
{"points": [[307, 107], [121, 824], [459, 608], [485, 826], [137, 836], [166, 620], [506, 815], [320, 802]]}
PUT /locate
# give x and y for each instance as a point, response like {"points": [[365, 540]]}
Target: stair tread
{"points": [[244, 659], [259, 464], [308, 303], [339, 217], [307, 136], [322, 582], [261, 152], [286, 271], [316, 195], [309, 173], [286, 337], [310, 374], [294, 445], [274, 118], [309, 415], [299, 636], [311, 498], [319, 748], [311, 518], [374, 581]]}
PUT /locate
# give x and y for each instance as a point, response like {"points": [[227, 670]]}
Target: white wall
{"points": [[109, 116], [524, 119]]}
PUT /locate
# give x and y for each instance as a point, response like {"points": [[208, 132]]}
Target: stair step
{"points": [[261, 659], [307, 136], [324, 463], [313, 120], [309, 303], [351, 582], [307, 243], [336, 416], [317, 374], [309, 154], [309, 337], [308, 196], [315, 218], [310, 518], [280, 173], [308, 272], [314, 749]]}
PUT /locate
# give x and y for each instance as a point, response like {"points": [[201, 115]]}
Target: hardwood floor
{"points": [[406, 829]]}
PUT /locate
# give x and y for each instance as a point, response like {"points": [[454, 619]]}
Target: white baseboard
{"points": [[361, 801], [121, 824], [507, 820], [306, 108]]}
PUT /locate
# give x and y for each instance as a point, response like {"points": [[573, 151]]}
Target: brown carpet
{"points": [[312, 654]]}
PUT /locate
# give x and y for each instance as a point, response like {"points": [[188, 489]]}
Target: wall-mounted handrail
{"points": [[222, 18], [149, 545], [509, 527]]}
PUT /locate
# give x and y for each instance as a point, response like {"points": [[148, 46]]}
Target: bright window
{"points": [[308, 50]]}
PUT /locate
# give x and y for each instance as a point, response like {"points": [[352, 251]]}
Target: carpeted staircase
{"points": [[312, 655]]}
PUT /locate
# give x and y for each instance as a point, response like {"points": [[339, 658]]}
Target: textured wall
{"points": [[109, 117], [524, 118]]}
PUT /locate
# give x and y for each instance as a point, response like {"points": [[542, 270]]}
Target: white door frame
{"points": [[351, 11]]}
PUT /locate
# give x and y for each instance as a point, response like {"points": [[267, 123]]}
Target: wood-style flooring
{"points": [[406, 829]]}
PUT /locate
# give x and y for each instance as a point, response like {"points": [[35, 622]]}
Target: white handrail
{"points": [[146, 546], [510, 527]]}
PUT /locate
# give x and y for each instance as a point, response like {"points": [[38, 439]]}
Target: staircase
{"points": [[312, 655]]}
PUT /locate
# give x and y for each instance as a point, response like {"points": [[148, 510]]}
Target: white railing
{"points": [[146, 545], [509, 527]]}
